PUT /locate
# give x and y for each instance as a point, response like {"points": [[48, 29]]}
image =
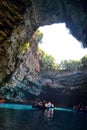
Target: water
{"points": [[23, 117]]}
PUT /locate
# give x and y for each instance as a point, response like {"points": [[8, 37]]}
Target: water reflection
{"points": [[48, 113]]}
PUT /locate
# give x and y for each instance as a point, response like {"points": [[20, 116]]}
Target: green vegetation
{"points": [[84, 62], [24, 47], [48, 63], [38, 36], [70, 65]]}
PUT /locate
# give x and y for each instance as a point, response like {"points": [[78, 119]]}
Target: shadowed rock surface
{"points": [[18, 22], [65, 89]]}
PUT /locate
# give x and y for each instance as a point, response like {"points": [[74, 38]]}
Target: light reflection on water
{"points": [[26, 118]]}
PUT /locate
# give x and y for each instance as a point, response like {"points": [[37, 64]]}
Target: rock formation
{"points": [[18, 22], [66, 89]]}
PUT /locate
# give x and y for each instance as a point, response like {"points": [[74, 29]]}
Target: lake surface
{"points": [[23, 117]]}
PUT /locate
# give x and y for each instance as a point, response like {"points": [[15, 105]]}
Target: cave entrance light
{"points": [[58, 42]]}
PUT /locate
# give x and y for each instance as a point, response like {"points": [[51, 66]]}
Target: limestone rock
{"points": [[18, 22]]}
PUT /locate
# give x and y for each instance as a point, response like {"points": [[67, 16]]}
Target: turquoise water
{"points": [[24, 117]]}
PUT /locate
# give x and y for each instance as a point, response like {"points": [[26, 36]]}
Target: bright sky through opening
{"points": [[58, 42]]}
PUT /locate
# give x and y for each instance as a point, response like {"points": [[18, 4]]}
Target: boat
{"points": [[41, 107], [80, 108]]}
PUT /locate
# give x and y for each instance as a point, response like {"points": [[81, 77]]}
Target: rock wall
{"points": [[18, 22], [64, 89], [24, 77]]}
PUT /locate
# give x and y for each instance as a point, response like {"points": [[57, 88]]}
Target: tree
{"points": [[47, 62], [84, 62], [38, 36], [70, 65]]}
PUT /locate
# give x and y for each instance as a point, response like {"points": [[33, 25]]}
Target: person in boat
{"points": [[40, 104], [80, 107], [35, 104], [52, 105], [43, 104], [49, 105]]}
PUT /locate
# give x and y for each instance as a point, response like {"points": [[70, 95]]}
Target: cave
{"points": [[18, 22]]}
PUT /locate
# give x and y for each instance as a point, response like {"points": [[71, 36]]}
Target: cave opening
{"points": [[58, 41]]}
